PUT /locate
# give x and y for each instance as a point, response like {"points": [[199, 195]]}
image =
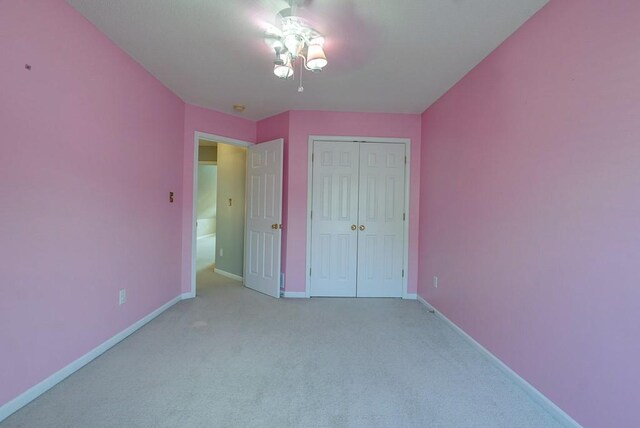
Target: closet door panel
{"points": [[334, 212], [381, 222]]}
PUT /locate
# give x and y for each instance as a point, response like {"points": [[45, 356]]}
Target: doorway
{"points": [[220, 209], [206, 213], [248, 236]]}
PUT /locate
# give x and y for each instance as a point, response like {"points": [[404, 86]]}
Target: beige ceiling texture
{"points": [[384, 56]]}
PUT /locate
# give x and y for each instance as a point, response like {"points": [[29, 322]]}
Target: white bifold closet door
{"points": [[357, 224]]}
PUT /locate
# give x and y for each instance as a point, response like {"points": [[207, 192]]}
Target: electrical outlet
{"points": [[122, 296], [221, 252], [435, 281]]}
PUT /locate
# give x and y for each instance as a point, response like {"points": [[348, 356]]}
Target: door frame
{"points": [[407, 188], [197, 136]]}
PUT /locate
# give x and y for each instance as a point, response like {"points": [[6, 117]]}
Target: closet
{"points": [[357, 219]]}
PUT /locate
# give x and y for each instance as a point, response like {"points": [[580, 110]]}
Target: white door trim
{"points": [[197, 136], [407, 187]]}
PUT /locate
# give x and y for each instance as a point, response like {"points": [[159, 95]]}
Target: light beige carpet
{"points": [[235, 358]]}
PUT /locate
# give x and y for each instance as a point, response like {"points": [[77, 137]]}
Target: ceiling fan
{"points": [[295, 40]]}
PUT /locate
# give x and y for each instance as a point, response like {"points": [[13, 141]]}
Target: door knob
{"points": [[354, 227], [362, 227], [280, 226], [274, 226]]}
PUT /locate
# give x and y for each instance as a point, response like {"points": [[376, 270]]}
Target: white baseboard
{"points": [[228, 275], [295, 294], [427, 304], [410, 296], [536, 395], [35, 391], [209, 235], [189, 295]]}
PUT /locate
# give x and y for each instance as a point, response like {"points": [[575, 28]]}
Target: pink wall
{"points": [[212, 122], [531, 211], [90, 146], [539, 144], [302, 124]]}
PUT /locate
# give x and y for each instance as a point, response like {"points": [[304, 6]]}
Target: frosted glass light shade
{"points": [[283, 71], [316, 59]]}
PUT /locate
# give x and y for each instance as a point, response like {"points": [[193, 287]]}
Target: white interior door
{"points": [[263, 231], [334, 216], [381, 220]]}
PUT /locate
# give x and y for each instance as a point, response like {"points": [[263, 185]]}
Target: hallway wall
{"points": [[207, 199], [232, 171]]}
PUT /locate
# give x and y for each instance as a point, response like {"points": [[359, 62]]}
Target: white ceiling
{"points": [[384, 55]]}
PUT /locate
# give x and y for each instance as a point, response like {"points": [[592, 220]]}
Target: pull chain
{"points": [[300, 88]]}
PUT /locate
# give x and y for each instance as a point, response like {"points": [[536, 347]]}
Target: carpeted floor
{"points": [[235, 358]]}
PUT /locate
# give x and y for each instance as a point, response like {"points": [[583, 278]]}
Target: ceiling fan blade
{"points": [[272, 31], [296, 5]]}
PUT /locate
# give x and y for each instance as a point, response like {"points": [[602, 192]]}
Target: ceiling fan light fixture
{"points": [[316, 59], [295, 38], [276, 44], [294, 44], [282, 59]]}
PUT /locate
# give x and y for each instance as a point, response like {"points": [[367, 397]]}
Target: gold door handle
{"points": [[274, 226], [354, 227], [362, 227]]}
